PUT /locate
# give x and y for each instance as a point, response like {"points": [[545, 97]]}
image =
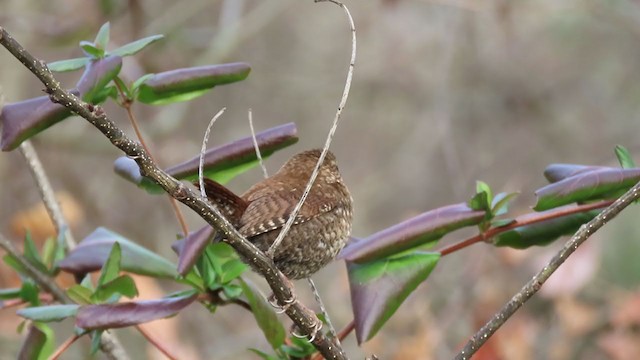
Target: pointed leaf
{"points": [[80, 294], [102, 38], [500, 204], [134, 47], [188, 83], [96, 335], [221, 163], [378, 288], [589, 185], [49, 313], [97, 75], [38, 344], [420, 230], [90, 49], [231, 270], [556, 172], [194, 245], [92, 252], [25, 119], [624, 157], [543, 233], [265, 315], [122, 285], [68, 65], [109, 316], [111, 268]]}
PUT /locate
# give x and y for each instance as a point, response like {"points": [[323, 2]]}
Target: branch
{"points": [[521, 221], [343, 101], [541, 277], [109, 344], [301, 316], [47, 194]]}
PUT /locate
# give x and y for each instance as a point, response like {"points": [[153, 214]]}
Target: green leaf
{"points": [[231, 270], [134, 47], [102, 39], [123, 86], [136, 84], [49, 313], [378, 288], [95, 340], [32, 255], [483, 187], [91, 49], [80, 294], [29, 292], [265, 315], [500, 204], [188, 83], [39, 343], [93, 251], [232, 291], [49, 251], [11, 293], [111, 268], [624, 157], [543, 233], [68, 65], [301, 348], [263, 355], [122, 285], [15, 264]]}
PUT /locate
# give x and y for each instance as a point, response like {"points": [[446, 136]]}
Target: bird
{"points": [[321, 228]]}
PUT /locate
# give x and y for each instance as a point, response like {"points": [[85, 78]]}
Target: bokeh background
{"points": [[446, 92]]}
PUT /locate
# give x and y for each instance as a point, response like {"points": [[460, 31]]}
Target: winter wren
{"points": [[321, 228]]}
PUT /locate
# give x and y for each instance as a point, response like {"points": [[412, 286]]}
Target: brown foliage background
{"points": [[445, 92]]}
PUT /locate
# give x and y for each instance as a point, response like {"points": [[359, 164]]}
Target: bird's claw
{"points": [[280, 308], [317, 326]]}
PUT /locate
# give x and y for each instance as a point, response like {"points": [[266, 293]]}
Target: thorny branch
{"points": [[301, 316]]}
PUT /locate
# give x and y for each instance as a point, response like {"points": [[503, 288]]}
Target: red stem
{"points": [[156, 343], [65, 345], [524, 220]]}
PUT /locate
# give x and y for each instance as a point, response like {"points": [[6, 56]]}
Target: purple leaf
{"points": [[189, 83], [557, 172], [193, 246], [221, 163], [109, 316], [420, 230], [92, 252], [586, 185], [378, 288], [24, 119]]}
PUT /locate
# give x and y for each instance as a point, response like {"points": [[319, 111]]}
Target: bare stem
{"points": [[155, 343], [47, 194], [204, 148], [63, 347], [541, 277], [127, 104], [301, 315], [524, 220], [255, 145], [332, 131]]}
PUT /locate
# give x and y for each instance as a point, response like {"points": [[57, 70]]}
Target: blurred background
{"points": [[445, 92]]}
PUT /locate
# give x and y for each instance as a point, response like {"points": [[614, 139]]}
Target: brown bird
{"points": [[321, 228]]}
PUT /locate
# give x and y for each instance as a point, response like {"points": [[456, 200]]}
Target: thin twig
{"points": [[127, 103], [521, 221], [343, 101], [541, 277], [304, 318], [155, 343], [255, 146], [109, 344], [316, 295], [203, 149], [47, 194], [63, 347]]}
